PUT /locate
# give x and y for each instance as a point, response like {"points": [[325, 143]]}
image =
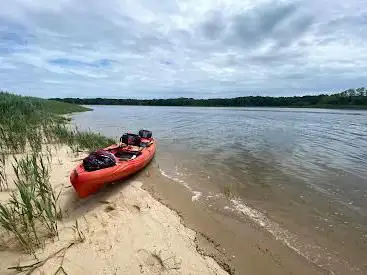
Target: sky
{"points": [[181, 48]]}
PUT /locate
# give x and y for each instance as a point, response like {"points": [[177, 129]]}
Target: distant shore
{"points": [[349, 99], [325, 107]]}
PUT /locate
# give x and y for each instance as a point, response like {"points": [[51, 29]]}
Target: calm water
{"points": [[304, 169]]}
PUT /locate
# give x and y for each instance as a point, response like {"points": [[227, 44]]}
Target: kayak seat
{"points": [[121, 155], [145, 144]]}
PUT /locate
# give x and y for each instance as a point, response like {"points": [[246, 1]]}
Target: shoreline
{"points": [[274, 245], [233, 239], [344, 107], [351, 98], [122, 228]]}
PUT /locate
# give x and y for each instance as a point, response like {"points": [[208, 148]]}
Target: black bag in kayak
{"points": [[99, 160], [131, 139]]}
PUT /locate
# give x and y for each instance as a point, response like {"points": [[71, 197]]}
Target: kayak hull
{"points": [[86, 183]]}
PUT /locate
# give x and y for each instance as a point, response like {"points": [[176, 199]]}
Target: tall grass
{"points": [[32, 209], [3, 177], [31, 122], [21, 122], [88, 141], [80, 141], [48, 106], [28, 125]]}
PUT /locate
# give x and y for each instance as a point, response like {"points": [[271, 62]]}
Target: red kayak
{"points": [[127, 159]]}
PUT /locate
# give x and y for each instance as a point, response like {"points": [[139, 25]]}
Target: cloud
{"points": [[66, 62], [165, 48], [278, 23]]}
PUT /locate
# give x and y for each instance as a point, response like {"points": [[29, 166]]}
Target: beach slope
{"points": [[120, 230]]}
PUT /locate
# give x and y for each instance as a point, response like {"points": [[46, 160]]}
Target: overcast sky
{"points": [[173, 48]]}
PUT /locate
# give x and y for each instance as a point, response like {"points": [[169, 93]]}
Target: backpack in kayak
{"points": [[99, 160], [131, 139], [145, 134]]}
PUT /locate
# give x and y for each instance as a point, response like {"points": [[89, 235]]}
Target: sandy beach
{"points": [[120, 230]]}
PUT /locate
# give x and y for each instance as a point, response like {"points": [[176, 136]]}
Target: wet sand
{"points": [[236, 241], [295, 234]]}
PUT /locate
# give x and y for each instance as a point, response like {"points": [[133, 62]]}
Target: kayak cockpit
{"points": [[124, 155], [129, 148]]}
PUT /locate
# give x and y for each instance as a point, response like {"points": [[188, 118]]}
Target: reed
{"points": [[32, 209], [30, 126], [28, 121], [9, 220], [90, 141], [80, 141], [27, 126], [3, 178]]}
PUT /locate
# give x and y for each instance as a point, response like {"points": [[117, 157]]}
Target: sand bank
{"points": [[120, 230]]}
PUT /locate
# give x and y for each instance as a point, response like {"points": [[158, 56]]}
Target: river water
{"points": [[301, 174]]}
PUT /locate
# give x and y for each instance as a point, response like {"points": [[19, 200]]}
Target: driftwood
{"points": [[32, 267]]}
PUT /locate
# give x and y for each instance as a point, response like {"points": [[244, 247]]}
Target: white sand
{"points": [[126, 231]]}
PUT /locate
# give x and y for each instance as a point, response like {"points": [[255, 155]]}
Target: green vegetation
{"points": [[29, 129], [64, 108], [90, 141], [32, 209], [33, 122], [352, 98], [80, 141], [3, 178]]}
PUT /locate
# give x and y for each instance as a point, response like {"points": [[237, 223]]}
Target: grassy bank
{"points": [[30, 128]]}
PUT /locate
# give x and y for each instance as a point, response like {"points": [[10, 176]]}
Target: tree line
{"points": [[351, 98]]}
